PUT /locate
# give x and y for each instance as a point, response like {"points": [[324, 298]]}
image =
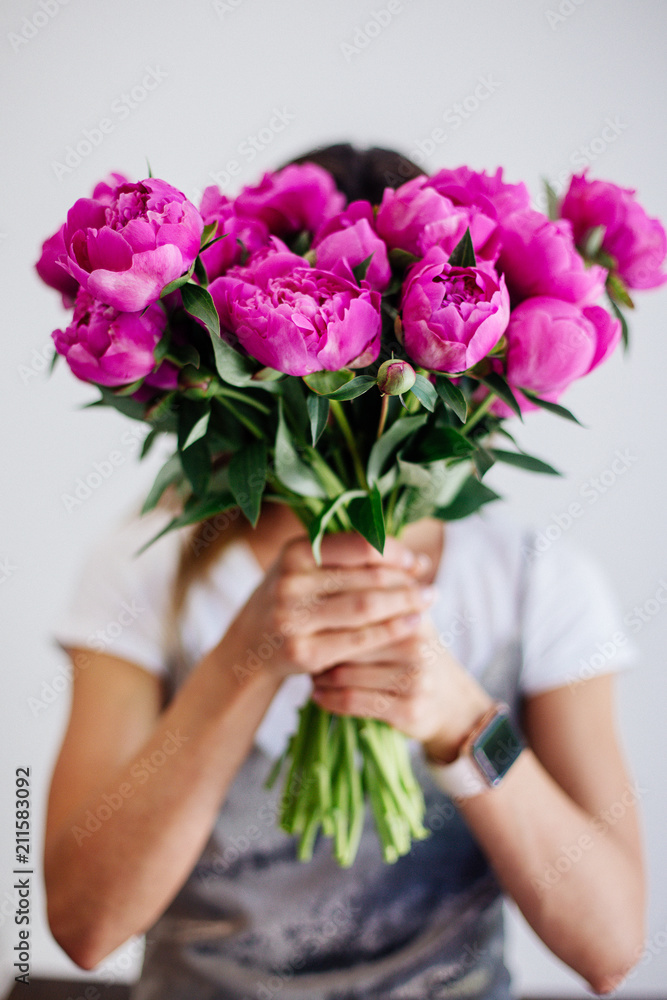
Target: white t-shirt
{"points": [[250, 915], [494, 586]]}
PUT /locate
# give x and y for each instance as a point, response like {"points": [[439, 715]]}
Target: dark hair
{"points": [[362, 173]]}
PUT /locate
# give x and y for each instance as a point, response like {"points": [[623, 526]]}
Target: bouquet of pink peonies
{"points": [[354, 361]]}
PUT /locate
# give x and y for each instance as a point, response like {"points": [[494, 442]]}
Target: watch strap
{"points": [[464, 777], [461, 779]]}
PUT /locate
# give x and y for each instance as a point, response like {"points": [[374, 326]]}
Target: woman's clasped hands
{"points": [[359, 624]]}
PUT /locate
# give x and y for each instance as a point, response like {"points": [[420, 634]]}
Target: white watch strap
{"points": [[460, 780]]}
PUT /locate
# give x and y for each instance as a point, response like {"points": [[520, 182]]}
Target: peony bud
{"points": [[395, 377]]}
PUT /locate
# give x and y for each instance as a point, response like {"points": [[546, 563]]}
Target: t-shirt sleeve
{"points": [[120, 603], [572, 625]]}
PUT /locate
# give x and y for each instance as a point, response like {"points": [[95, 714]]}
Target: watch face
{"points": [[497, 748]]}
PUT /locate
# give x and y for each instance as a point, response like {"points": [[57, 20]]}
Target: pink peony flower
{"points": [[295, 318], [300, 196], [485, 199], [350, 238], [637, 244], [252, 233], [550, 343], [416, 217], [108, 347], [452, 316], [52, 272], [538, 257], [105, 190], [123, 251], [50, 266], [490, 194]]}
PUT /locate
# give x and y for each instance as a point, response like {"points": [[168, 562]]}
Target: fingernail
{"points": [[413, 619], [409, 559], [429, 593]]}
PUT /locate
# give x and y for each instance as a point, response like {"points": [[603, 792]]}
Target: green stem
{"points": [[389, 514], [342, 421], [383, 414], [480, 412], [328, 478], [241, 417], [242, 397]]}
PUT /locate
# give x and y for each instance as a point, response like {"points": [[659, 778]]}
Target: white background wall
{"points": [[556, 73]]}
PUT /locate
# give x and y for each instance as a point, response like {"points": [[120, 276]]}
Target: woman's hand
{"points": [[414, 684], [303, 618]]}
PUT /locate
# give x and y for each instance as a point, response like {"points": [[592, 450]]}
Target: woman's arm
{"points": [[157, 781], [158, 778], [561, 831]]}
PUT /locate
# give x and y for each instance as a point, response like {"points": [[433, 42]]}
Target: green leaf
{"points": [[470, 498], [400, 430], [148, 167], [292, 471], [625, 332], [553, 204], [356, 387], [247, 477], [483, 460], [452, 397], [178, 282], [617, 290], [196, 462], [162, 346], [195, 456], [425, 392], [200, 272], [325, 382], [128, 407], [198, 430], [52, 363], [127, 390], [556, 408], [361, 270], [162, 414], [592, 243], [301, 243], [208, 232], [442, 442], [497, 384], [318, 411], [412, 473], [449, 477], [294, 404], [367, 517], [168, 474], [232, 367], [196, 509], [401, 259], [212, 242], [463, 254], [523, 461], [183, 354], [267, 374], [148, 442], [318, 526], [198, 302]]}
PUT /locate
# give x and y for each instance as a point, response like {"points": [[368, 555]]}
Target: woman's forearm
{"points": [[575, 883], [110, 878]]}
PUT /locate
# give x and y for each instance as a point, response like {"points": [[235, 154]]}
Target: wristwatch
{"points": [[484, 758]]}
